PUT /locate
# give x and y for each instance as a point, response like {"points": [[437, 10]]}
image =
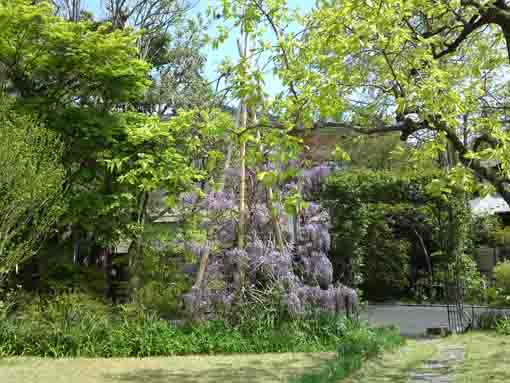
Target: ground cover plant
{"points": [[74, 325]]}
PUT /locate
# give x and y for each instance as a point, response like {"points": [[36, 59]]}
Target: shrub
{"points": [[385, 269], [474, 287], [489, 320], [503, 325], [160, 297], [69, 324], [502, 275]]}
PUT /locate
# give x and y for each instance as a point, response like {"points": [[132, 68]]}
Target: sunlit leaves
{"points": [[53, 58], [31, 183], [162, 155]]}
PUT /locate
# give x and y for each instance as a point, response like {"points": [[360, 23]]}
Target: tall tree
{"points": [[75, 78], [69, 9], [434, 71], [171, 40]]}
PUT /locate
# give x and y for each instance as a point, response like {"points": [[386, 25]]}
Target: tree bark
{"points": [[243, 53], [425, 252], [202, 268], [136, 249]]}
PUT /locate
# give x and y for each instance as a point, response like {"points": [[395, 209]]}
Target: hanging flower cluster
{"points": [[301, 266]]}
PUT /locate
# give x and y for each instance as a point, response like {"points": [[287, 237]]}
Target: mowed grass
{"points": [[395, 366], [486, 360], [264, 368]]}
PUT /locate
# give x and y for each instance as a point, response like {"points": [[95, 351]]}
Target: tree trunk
{"points": [[275, 221], [105, 255], [136, 249], [203, 267], [426, 253]]}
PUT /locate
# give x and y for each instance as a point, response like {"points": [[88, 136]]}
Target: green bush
{"points": [[502, 275], [489, 320], [474, 291], [386, 265], [503, 325], [161, 297]]}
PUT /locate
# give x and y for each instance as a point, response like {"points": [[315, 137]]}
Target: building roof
{"points": [[168, 218], [492, 204]]}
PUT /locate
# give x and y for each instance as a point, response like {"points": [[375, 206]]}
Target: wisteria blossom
{"points": [[218, 200], [302, 267]]}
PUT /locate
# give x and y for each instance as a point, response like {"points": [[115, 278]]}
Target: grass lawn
{"points": [[266, 368], [486, 360]]}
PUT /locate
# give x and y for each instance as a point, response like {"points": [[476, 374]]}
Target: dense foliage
{"points": [[395, 237], [502, 276], [31, 183]]}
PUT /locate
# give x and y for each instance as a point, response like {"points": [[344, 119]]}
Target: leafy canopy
{"points": [[74, 75]]}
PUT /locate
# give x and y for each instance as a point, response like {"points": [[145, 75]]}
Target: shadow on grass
{"points": [[257, 372], [9, 362], [335, 372]]}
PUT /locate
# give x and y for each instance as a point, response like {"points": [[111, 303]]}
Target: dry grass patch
{"points": [[265, 368]]}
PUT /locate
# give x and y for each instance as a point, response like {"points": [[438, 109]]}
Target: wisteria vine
{"points": [[301, 268]]}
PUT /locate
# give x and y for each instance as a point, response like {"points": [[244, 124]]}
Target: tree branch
{"points": [[475, 23], [406, 126], [278, 35]]}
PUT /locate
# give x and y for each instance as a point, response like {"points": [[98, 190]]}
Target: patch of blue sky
{"points": [[227, 50]]}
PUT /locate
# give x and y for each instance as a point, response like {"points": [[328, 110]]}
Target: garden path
{"points": [[439, 370]]}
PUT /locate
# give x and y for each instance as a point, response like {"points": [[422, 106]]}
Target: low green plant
{"points": [[7, 303], [502, 275], [503, 325], [75, 325], [496, 297], [358, 343], [489, 320], [161, 297]]}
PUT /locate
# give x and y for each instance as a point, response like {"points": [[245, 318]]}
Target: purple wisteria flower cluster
{"points": [[301, 267], [314, 177]]}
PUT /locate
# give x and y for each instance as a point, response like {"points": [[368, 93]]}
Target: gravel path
{"points": [[439, 370]]}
